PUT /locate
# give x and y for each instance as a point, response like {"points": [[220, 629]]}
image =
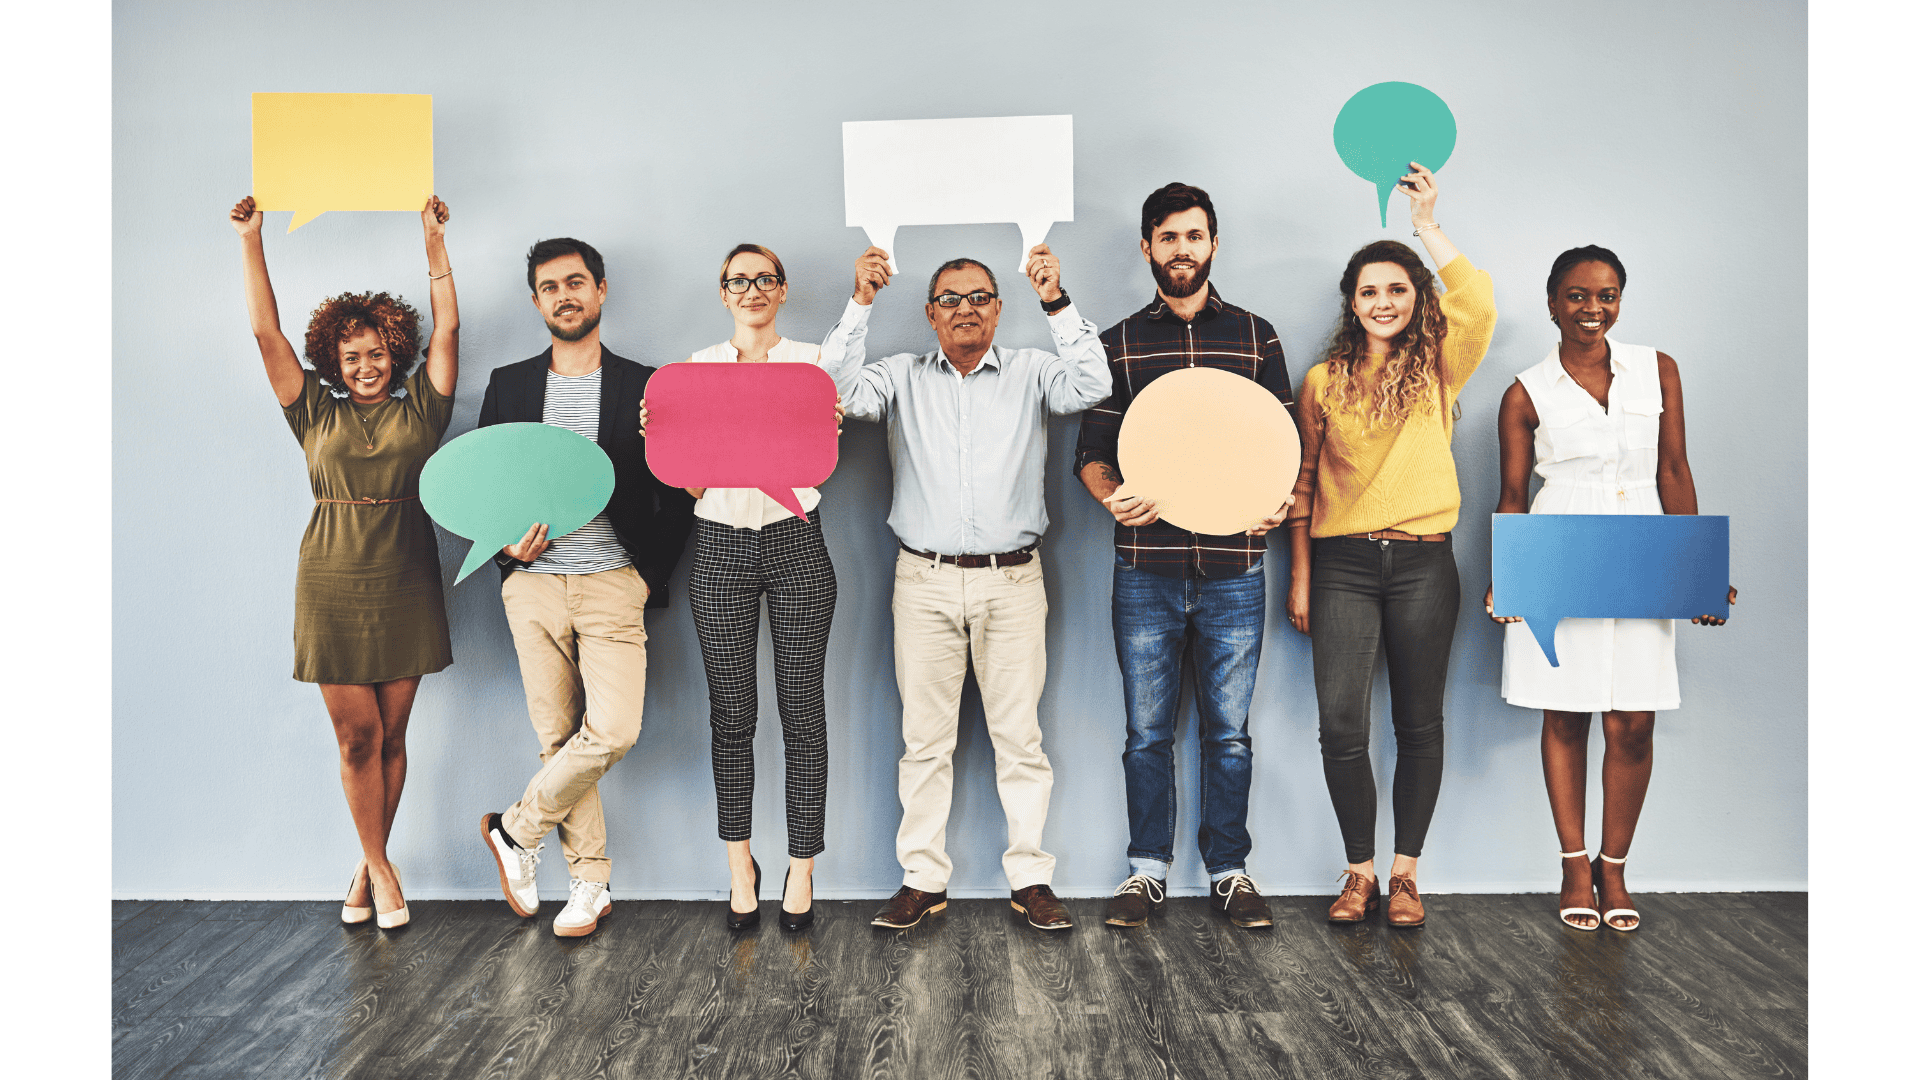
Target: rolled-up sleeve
{"points": [[1077, 376]]}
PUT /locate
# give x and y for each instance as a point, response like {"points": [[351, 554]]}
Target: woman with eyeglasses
{"points": [[749, 546], [1372, 522]]}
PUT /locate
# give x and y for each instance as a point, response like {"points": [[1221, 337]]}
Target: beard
{"points": [[1172, 288], [586, 327]]}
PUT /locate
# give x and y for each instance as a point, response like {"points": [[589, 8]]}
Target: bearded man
{"points": [[1175, 590]]}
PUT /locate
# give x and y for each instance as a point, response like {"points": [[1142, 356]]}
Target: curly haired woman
{"points": [[369, 618], [1370, 526]]}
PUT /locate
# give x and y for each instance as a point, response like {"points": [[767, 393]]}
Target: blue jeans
{"points": [[1154, 618]]}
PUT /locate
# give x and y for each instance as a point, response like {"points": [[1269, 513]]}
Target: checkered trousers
{"points": [[732, 568]]}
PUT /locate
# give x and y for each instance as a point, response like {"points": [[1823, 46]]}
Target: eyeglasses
{"points": [[765, 282], [978, 298]]}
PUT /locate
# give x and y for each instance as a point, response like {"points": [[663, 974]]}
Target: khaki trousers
{"points": [[942, 615], [583, 664]]}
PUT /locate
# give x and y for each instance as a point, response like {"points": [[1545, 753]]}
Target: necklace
{"points": [[366, 423]]}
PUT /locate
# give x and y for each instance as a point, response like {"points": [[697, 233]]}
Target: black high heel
{"points": [[741, 920], [793, 920]]}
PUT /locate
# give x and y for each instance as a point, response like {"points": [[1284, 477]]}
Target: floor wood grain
{"points": [[1713, 987]]}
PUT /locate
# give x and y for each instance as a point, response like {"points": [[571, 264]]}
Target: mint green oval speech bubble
{"points": [[492, 484], [1384, 127]]}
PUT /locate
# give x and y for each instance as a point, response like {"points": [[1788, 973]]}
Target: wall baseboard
{"points": [[703, 895]]}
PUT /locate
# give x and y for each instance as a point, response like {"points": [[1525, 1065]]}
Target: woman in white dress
{"points": [[1602, 424]]}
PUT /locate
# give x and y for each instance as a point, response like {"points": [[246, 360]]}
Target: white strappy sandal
{"points": [[1620, 912], [1566, 911]]}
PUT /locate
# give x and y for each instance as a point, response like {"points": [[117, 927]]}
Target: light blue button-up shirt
{"points": [[968, 453]]}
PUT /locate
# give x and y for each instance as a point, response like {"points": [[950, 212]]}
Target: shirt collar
{"points": [[733, 351], [1161, 310], [1616, 361], [991, 359]]}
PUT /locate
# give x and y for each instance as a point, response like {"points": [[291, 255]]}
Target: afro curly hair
{"points": [[341, 317]]}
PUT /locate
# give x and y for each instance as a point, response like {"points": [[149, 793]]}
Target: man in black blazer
{"points": [[575, 602]]}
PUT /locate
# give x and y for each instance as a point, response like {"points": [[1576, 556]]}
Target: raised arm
{"points": [[443, 349], [284, 372], [1517, 423], [864, 391], [1077, 376], [1423, 193]]}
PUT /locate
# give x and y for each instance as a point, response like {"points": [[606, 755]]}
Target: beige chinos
{"points": [[583, 663], [942, 615]]}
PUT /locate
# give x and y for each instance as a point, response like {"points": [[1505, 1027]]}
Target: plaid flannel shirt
{"points": [[1142, 347]]}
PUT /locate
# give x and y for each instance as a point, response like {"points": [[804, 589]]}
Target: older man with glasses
{"points": [[967, 433]]}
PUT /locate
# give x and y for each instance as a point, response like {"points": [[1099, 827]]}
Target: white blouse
{"points": [[750, 508]]}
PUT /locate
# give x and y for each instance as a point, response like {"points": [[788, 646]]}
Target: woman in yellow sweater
{"points": [[1371, 521]]}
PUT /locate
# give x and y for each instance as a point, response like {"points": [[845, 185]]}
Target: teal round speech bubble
{"points": [[493, 484], [1384, 127]]}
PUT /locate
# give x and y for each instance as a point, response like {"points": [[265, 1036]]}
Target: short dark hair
{"points": [[1573, 257], [1169, 201], [955, 264], [548, 250]]}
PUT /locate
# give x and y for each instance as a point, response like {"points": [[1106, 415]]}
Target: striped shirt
{"points": [[573, 402], [1141, 348]]}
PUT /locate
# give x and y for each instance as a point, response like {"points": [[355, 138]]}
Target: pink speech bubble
{"points": [[765, 426]]}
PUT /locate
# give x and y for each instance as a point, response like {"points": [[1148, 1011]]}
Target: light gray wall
{"points": [[1673, 133]]}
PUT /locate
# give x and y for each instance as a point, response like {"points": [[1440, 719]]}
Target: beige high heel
{"points": [[1620, 912], [354, 916], [1587, 911], [398, 917]]}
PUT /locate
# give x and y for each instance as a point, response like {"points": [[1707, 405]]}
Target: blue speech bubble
{"points": [[1387, 126], [1548, 567], [492, 484]]}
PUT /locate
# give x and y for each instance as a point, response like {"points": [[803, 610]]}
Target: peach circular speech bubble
{"points": [[1215, 451]]}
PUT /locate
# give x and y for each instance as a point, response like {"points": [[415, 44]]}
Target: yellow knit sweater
{"points": [[1354, 480]]}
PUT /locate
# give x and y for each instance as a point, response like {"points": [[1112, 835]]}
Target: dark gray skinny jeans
{"points": [[1406, 595]]}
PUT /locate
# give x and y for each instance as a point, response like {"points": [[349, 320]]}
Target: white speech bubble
{"points": [[959, 172]]}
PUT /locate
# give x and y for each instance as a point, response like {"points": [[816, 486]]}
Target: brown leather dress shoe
{"points": [[1357, 901], [1238, 899], [1403, 903], [1043, 910], [1135, 899], [909, 906]]}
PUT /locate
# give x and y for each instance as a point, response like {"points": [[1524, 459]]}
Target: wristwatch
{"points": [[1050, 307]]}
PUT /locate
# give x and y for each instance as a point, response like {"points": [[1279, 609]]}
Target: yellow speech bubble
{"points": [[318, 152]]}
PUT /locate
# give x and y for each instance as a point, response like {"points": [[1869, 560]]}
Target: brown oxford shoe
{"points": [[1043, 910], [909, 906], [1357, 900], [1403, 903]]}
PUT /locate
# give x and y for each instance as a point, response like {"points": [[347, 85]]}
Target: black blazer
{"points": [[651, 519]]}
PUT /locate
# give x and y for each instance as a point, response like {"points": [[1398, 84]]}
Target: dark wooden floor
{"points": [[1714, 986]]}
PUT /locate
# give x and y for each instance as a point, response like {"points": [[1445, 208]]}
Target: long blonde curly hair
{"points": [[1411, 376]]}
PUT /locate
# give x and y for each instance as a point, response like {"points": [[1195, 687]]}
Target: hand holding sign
{"points": [[958, 172], [1213, 452], [318, 152], [1387, 126], [493, 484], [765, 426], [1547, 567]]}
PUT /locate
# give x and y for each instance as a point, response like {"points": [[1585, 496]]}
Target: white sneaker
{"points": [[516, 866], [587, 904]]}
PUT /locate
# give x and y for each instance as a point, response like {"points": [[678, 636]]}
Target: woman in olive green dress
{"points": [[369, 618]]}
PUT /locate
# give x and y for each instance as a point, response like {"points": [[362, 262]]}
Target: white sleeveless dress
{"points": [[1596, 461]]}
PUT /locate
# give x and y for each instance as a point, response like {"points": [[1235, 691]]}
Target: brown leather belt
{"points": [[1396, 534], [974, 562]]}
